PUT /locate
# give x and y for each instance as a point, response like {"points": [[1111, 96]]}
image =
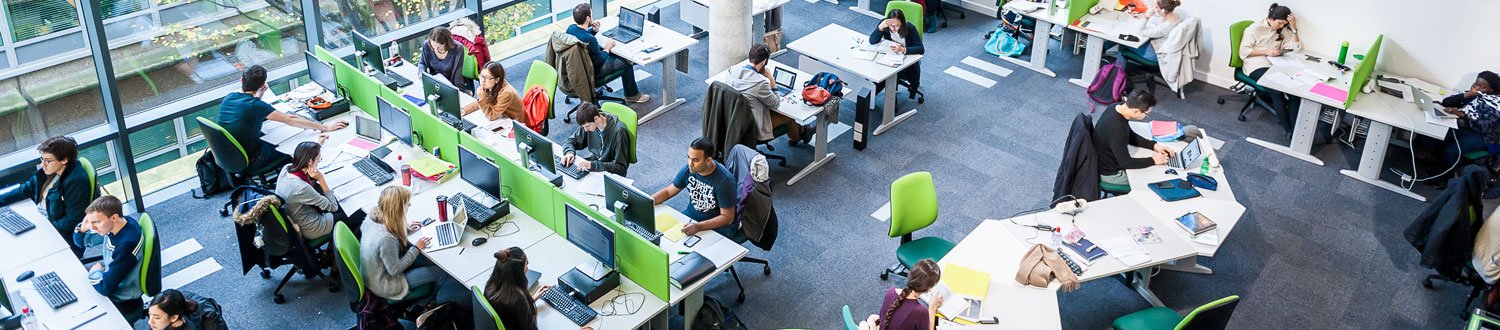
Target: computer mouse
{"points": [[478, 241], [26, 275], [1171, 171]]}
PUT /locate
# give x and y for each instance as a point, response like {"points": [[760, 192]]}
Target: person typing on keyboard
{"points": [[391, 263], [607, 141], [506, 290], [60, 187], [105, 224], [711, 191]]}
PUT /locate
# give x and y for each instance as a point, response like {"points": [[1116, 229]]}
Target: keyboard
{"points": [[622, 35], [570, 171], [575, 311], [376, 172], [476, 211], [445, 236], [53, 290], [400, 81], [455, 121], [13, 222]]}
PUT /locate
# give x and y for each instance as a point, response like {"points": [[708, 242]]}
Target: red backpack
{"points": [[537, 106]]}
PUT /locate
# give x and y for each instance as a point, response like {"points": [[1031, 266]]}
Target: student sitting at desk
{"points": [[1272, 37], [607, 141], [605, 64], [60, 187], [182, 310], [896, 29], [1113, 138], [901, 310], [310, 203], [389, 261], [442, 56], [711, 189], [754, 82], [1478, 112], [497, 97], [1158, 24], [506, 291], [121, 236], [242, 114]]}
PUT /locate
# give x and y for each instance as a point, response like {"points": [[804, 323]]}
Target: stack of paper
{"points": [[1126, 250], [670, 227]]}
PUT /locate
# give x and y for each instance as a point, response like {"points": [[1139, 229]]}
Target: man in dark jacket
{"points": [[726, 118], [61, 188], [606, 139], [604, 64], [1078, 173]]}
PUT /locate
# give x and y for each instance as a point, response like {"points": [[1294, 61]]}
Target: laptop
{"points": [[632, 24], [1425, 103], [367, 128], [1188, 157], [784, 80], [446, 234]]}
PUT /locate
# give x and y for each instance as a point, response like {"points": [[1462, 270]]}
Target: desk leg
{"points": [[1372, 160], [863, 8], [1302, 134], [1187, 265], [669, 67], [891, 119], [1142, 285], [1095, 53], [660, 320], [1039, 45], [690, 306], [821, 156]]}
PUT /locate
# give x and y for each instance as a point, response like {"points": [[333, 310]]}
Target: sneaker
{"points": [[643, 98]]}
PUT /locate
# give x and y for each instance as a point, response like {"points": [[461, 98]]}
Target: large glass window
{"points": [[377, 17], [57, 100], [33, 18]]}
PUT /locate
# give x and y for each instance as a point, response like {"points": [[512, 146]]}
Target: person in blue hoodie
{"points": [[117, 275]]}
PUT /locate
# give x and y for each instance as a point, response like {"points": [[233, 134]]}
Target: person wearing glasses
{"points": [[60, 188], [1113, 138]]}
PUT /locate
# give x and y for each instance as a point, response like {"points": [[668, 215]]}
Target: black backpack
{"points": [[445, 316], [210, 315], [715, 316], [211, 178], [375, 314]]}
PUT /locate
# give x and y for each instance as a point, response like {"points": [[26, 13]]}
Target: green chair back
{"points": [[913, 203], [484, 314], [626, 116], [912, 11], [1213, 315], [88, 169], [849, 323], [228, 153], [471, 67], [1479, 320], [346, 254], [1237, 32], [150, 256], [543, 75]]}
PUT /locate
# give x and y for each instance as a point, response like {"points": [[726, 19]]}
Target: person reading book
{"points": [[902, 311]]}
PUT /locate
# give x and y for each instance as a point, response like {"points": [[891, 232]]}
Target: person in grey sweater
{"points": [[310, 203], [387, 259], [754, 82]]}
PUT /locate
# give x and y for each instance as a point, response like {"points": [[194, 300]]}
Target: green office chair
{"points": [[545, 76], [626, 116], [1477, 321], [1253, 89], [88, 169], [471, 67], [1213, 315], [150, 269], [907, 8], [351, 275], [849, 323], [1111, 190], [484, 314], [914, 206], [231, 156]]}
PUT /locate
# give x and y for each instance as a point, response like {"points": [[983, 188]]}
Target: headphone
{"points": [[318, 103]]}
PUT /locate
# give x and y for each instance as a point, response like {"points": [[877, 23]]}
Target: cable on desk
{"points": [[495, 232], [620, 305]]}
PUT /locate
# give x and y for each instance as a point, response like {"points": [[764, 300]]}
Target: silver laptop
{"points": [[784, 80], [632, 25], [1425, 103], [1190, 155], [446, 234]]}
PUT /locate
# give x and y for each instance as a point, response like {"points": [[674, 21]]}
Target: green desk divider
{"points": [[1363, 71], [361, 90], [436, 135], [526, 190], [1078, 8], [635, 257]]}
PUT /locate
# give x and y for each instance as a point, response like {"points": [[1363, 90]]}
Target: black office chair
{"points": [[282, 244], [601, 90], [740, 238], [750, 216], [1464, 274], [231, 156]]}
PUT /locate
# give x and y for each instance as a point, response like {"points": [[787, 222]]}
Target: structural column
{"points": [[730, 41]]}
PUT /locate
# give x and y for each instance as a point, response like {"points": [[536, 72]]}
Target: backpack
{"points": [[210, 315], [714, 316], [211, 178], [537, 107], [1108, 86], [375, 314], [822, 87], [445, 316]]}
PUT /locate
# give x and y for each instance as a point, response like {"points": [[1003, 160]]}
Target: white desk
{"points": [[1310, 109], [36, 243], [1219, 205], [990, 249], [75, 276], [1107, 25], [695, 13], [1040, 40], [831, 49], [793, 107], [1386, 112], [671, 43]]}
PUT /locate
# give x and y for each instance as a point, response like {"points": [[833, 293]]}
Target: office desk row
{"points": [[41, 250]]}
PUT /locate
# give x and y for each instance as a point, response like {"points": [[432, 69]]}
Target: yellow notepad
{"points": [[966, 281], [669, 227]]}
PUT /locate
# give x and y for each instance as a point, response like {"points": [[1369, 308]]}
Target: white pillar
{"points": [[729, 33]]}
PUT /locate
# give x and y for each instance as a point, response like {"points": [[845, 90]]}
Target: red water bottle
{"points": [[406, 175], [442, 206]]}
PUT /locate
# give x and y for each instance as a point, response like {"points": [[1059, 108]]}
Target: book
{"points": [[1165, 130], [1196, 223], [690, 269], [1086, 249]]}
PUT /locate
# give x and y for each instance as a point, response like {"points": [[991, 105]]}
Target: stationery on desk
{"points": [[1287, 60], [1165, 130], [1328, 91], [720, 251], [1125, 249], [963, 290], [670, 228], [879, 53], [690, 269]]}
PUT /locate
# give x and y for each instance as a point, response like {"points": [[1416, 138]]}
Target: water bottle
{"points": [[1204, 170], [28, 316]]}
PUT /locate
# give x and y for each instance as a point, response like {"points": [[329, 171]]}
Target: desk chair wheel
{"points": [[265, 273], [1242, 118], [279, 299], [740, 299], [885, 276], [1427, 283], [766, 270], [1221, 100]]}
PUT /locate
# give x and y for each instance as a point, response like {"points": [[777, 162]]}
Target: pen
{"points": [[684, 252]]}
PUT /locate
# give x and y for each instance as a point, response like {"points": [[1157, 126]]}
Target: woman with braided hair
{"points": [[901, 310]]}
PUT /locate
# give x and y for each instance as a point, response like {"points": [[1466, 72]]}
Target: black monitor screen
{"points": [[445, 94], [321, 73], [373, 58], [395, 121], [479, 171], [638, 205], [540, 154], [591, 236]]}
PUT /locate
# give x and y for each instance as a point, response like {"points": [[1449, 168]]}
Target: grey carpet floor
{"points": [[1314, 249]]}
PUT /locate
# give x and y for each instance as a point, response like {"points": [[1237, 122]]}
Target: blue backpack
{"points": [[827, 81]]}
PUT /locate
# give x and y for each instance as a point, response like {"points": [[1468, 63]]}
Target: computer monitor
{"points": [[369, 52], [441, 95], [537, 147], [632, 20], [593, 237], [480, 172], [321, 73], [637, 205], [394, 120]]}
